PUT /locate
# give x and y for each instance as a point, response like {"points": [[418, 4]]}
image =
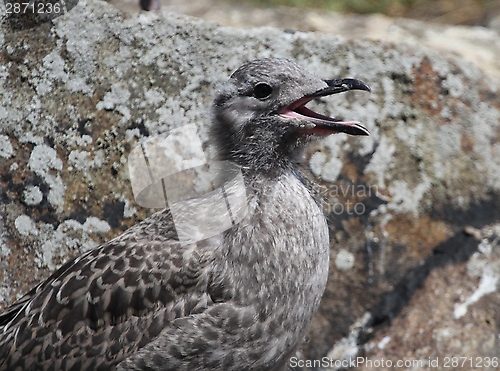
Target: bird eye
{"points": [[262, 90]]}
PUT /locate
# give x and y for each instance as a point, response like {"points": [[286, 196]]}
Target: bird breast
{"points": [[276, 258]]}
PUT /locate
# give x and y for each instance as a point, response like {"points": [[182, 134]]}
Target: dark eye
{"points": [[262, 90]]}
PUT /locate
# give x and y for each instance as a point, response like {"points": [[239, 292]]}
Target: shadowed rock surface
{"points": [[77, 94]]}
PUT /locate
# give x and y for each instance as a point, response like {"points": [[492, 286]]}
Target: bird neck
{"points": [[260, 148]]}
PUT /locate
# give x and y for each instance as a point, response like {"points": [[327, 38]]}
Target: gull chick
{"points": [[240, 300]]}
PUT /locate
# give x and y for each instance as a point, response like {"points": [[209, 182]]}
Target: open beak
{"points": [[320, 124]]}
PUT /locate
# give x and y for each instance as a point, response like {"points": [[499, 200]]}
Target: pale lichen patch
{"points": [[43, 160], [382, 161], [79, 159], [25, 226], [6, 150], [405, 199], [344, 260], [32, 195]]}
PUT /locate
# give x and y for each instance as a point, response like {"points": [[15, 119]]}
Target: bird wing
{"points": [[99, 308]]}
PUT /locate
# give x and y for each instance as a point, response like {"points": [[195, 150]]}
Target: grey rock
{"points": [[242, 299], [478, 45]]}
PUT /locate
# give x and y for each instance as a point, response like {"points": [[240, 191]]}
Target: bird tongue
{"points": [[321, 124]]}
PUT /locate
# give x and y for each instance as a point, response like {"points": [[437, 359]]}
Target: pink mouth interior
{"points": [[299, 110]]}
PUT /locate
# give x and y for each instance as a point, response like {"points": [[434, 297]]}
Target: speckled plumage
{"points": [[241, 300]]}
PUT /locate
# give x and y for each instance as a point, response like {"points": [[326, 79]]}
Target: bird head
{"points": [[260, 115]]}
